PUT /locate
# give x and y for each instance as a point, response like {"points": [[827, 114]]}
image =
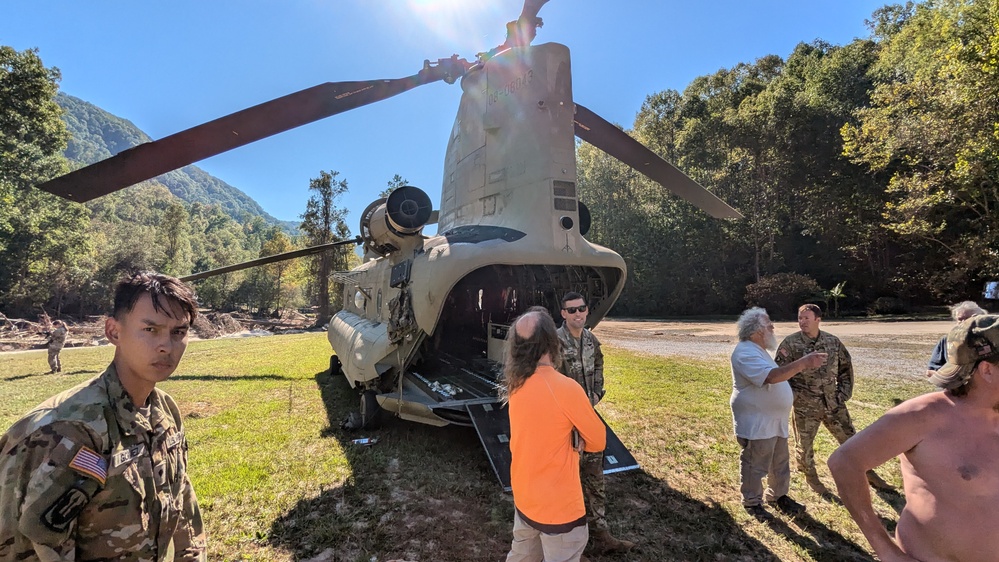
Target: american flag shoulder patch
{"points": [[88, 462]]}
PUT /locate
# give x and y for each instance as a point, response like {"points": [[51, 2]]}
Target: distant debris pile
{"points": [[19, 334], [282, 321], [214, 324]]}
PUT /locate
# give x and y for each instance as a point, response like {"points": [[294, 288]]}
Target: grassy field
{"points": [[279, 480]]}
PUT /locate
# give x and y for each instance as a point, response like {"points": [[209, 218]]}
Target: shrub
{"points": [[782, 293], [888, 305]]}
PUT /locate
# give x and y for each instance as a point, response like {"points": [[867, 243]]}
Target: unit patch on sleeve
{"points": [[65, 510]]}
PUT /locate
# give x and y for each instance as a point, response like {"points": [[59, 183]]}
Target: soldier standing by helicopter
{"points": [[820, 394], [583, 361]]}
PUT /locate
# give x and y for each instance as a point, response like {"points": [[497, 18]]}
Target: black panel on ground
{"points": [[492, 423]]}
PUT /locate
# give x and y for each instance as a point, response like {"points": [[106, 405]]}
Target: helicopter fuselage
{"points": [[509, 237]]}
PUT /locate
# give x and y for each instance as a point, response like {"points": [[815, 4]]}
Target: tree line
{"points": [[868, 173], [871, 169]]}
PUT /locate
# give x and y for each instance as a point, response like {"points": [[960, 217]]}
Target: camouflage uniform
{"points": [[87, 476], [583, 361], [820, 395], [57, 339]]}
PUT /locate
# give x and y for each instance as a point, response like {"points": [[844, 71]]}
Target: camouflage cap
{"points": [[969, 342]]}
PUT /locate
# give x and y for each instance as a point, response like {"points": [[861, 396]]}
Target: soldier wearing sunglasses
{"points": [[583, 361]]}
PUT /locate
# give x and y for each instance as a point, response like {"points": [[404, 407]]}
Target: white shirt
{"points": [[759, 410]]}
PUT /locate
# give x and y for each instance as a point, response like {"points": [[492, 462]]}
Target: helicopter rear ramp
{"points": [[492, 422], [458, 391]]}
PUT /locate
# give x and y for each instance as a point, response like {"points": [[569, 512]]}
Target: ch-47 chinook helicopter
{"points": [[425, 317]]}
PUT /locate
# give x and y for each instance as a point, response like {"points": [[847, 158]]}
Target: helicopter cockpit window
{"points": [[359, 300], [378, 303]]}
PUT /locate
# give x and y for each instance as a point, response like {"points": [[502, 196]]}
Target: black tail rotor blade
{"points": [[595, 130], [151, 159], [270, 259]]}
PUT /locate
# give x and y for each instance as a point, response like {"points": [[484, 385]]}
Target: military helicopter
{"points": [[425, 317]]}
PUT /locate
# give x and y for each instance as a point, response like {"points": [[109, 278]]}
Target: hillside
{"points": [[97, 134]]}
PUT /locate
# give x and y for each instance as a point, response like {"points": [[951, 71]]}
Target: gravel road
{"points": [[896, 349]]}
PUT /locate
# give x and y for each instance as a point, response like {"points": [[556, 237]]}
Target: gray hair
{"points": [[751, 321], [961, 310]]}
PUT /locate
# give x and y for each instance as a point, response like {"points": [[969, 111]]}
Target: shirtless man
{"points": [[949, 444]]}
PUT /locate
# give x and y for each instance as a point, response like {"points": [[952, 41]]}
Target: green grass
{"points": [[278, 480]]}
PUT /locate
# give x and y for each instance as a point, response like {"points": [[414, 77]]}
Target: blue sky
{"points": [[167, 66]]}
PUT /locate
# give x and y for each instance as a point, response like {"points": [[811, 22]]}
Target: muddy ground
{"points": [[879, 348]]}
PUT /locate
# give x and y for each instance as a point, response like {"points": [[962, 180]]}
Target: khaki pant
{"points": [[531, 545], [759, 458]]}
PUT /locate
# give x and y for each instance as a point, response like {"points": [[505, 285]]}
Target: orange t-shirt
{"points": [[544, 471]]}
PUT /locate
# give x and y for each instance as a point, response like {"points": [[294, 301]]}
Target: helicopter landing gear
{"points": [[367, 417], [336, 368], [370, 410]]}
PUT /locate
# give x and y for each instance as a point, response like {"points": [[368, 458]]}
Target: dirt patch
{"points": [[898, 349]]}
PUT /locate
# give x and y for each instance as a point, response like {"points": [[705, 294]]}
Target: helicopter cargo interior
{"points": [[462, 360], [460, 372]]}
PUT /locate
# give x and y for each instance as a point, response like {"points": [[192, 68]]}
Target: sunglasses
{"points": [[575, 309]]}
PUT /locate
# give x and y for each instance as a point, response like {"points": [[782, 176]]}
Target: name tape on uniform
{"points": [[133, 452]]}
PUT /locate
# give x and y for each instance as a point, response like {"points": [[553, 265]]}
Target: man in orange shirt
{"points": [[548, 412]]}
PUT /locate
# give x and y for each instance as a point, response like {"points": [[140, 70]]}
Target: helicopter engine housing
{"points": [[388, 224]]}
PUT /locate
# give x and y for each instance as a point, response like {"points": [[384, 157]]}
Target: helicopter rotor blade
{"points": [[270, 259], [531, 9], [151, 159], [600, 133]]}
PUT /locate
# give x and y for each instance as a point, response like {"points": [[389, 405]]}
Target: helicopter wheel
{"points": [[336, 368], [369, 410]]}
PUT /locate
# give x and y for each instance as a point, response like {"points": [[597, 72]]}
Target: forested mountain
{"points": [[59, 257], [96, 134]]}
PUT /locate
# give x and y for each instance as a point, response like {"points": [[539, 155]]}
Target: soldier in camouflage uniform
{"points": [[99, 472], [820, 395], [57, 339], [583, 361]]}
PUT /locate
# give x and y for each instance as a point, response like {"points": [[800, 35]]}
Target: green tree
{"points": [[323, 223], [277, 243], [932, 129], [175, 231], [395, 183], [41, 236], [264, 287]]}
